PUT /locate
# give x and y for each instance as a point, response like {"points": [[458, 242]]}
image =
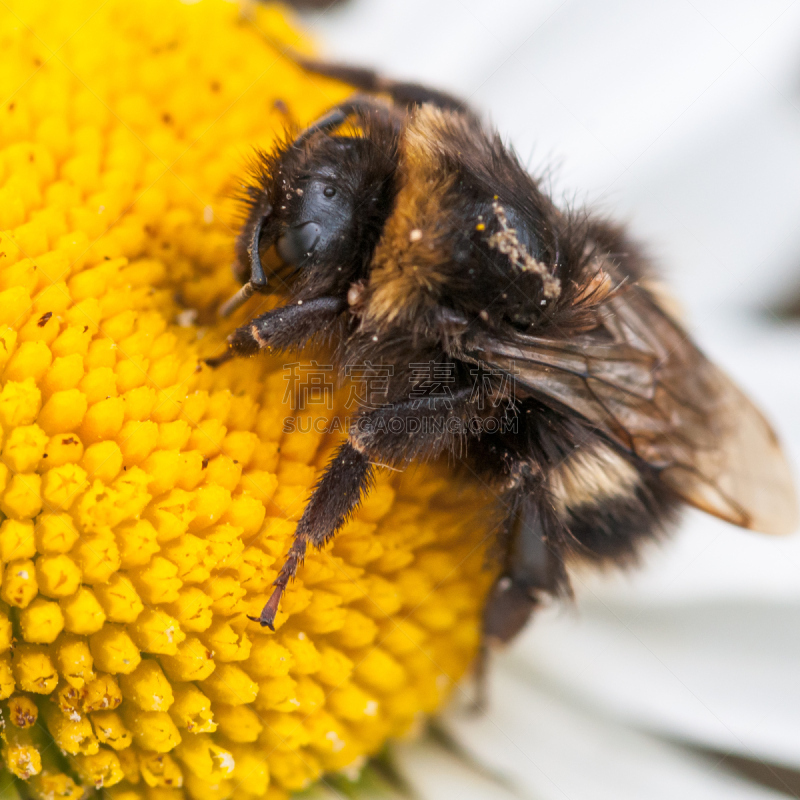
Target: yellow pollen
{"points": [[146, 500]]}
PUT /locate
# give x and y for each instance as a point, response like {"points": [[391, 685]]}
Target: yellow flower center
{"points": [[147, 501]]}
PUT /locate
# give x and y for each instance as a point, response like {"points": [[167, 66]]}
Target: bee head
{"points": [[317, 206]]}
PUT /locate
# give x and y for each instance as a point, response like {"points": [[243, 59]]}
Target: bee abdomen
{"points": [[610, 507]]}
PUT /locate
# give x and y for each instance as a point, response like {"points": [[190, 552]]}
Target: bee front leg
{"points": [[281, 328]]}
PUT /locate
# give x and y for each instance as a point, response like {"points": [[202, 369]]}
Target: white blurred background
{"points": [[683, 119]]}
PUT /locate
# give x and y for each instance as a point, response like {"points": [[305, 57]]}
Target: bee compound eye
{"points": [[298, 242]]}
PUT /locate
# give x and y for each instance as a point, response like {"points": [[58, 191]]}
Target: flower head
{"points": [[146, 500]]}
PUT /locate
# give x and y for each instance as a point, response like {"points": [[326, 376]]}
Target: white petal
{"points": [[323, 792], [364, 790], [432, 772], [723, 676], [554, 751], [435, 774]]}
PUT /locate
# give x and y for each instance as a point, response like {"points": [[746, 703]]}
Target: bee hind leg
{"points": [[533, 568], [533, 565]]}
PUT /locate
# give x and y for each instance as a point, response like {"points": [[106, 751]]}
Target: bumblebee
{"points": [[401, 230]]}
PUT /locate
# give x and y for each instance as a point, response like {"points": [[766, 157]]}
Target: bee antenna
{"points": [[230, 305], [257, 277]]}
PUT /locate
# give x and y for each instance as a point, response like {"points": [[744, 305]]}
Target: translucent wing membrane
{"points": [[638, 379]]}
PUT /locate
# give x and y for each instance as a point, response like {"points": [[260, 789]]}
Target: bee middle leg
{"points": [[336, 495], [349, 475], [414, 428]]}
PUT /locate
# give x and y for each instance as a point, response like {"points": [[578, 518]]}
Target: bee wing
{"points": [[638, 379]]}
